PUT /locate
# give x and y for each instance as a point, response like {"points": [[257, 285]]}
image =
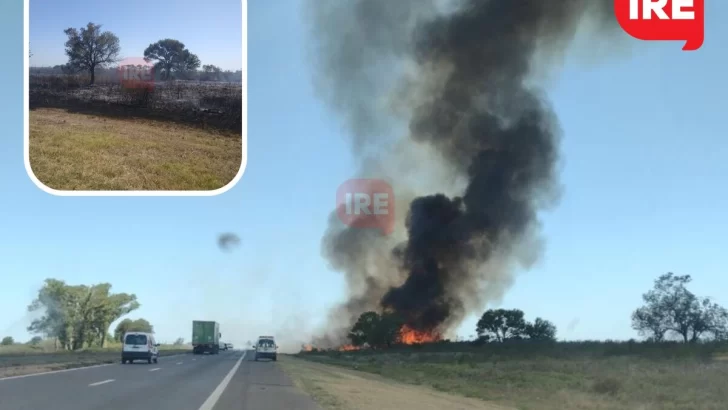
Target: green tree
{"points": [[501, 324], [362, 331], [171, 57], [179, 342], [7, 341], [387, 331], [128, 325], [671, 308], [79, 315], [88, 48], [540, 329], [35, 341], [376, 330]]}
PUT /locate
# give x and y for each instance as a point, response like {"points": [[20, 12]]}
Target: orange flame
{"points": [[347, 348], [410, 336], [307, 348]]}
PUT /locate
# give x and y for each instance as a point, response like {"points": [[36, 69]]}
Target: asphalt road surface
{"points": [[228, 381]]}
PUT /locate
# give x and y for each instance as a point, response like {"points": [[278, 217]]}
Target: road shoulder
{"points": [[336, 388], [263, 385]]}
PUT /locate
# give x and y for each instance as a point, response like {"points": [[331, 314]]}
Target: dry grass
{"points": [[341, 389], [547, 383], [70, 151]]}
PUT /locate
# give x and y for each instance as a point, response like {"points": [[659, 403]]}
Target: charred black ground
{"points": [[461, 70]]}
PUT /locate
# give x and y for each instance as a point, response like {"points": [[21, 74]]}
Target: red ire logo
{"points": [[366, 203], [663, 20]]}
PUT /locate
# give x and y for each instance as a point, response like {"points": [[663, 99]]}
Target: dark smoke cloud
{"points": [[228, 241], [454, 77]]}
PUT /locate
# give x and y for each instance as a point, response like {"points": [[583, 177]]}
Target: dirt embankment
{"points": [[343, 389]]}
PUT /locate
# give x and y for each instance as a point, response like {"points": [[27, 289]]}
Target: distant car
{"points": [[229, 346], [266, 348], [139, 346], [223, 346]]}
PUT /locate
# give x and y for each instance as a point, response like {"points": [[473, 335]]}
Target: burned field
{"points": [[216, 105], [175, 135]]}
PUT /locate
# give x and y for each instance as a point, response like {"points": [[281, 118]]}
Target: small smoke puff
{"points": [[228, 241]]}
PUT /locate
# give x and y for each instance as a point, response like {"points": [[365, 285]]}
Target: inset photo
{"points": [[136, 97]]}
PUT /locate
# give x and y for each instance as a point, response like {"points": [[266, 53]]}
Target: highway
{"points": [[228, 381]]}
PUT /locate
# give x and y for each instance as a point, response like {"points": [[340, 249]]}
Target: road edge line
{"points": [[209, 404], [22, 376]]}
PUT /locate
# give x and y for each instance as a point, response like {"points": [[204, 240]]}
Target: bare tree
{"points": [[88, 48]]}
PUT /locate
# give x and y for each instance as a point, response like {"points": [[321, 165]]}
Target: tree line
{"points": [[670, 312], [377, 330], [79, 316], [90, 49]]}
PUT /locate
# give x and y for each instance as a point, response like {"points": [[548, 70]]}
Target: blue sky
{"points": [[644, 175], [212, 30]]}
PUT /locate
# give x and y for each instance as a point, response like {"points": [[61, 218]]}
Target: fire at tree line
{"points": [[179, 90], [79, 316], [670, 312]]}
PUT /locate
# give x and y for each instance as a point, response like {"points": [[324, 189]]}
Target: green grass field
{"points": [[613, 376]]}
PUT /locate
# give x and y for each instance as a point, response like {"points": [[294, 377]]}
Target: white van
{"points": [[139, 346], [266, 348]]}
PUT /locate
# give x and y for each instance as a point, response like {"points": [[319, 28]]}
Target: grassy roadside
{"points": [[22, 359], [72, 151], [533, 381], [336, 388]]}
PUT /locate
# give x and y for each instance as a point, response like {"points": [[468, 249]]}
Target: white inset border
{"points": [[57, 192]]}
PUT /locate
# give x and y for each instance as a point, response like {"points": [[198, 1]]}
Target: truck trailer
{"points": [[205, 337]]}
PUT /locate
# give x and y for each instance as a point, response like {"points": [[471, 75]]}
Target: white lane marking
{"points": [[102, 382], [179, 362], [155, 369], [55, 371], [215, 396]]}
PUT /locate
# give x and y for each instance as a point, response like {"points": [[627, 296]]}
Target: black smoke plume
{"points": [[481, 152]]}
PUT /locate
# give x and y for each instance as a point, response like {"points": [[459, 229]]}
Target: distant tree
{"points": [[502, 324], [88, 48], [179, 342], [171, 57], [35, 341], [7, 341], [128, 325], [671, 308], [540, 329], [211, 73]]}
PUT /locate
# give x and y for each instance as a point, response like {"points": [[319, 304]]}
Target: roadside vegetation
{"points": [[73, 329], [682, 363]]}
